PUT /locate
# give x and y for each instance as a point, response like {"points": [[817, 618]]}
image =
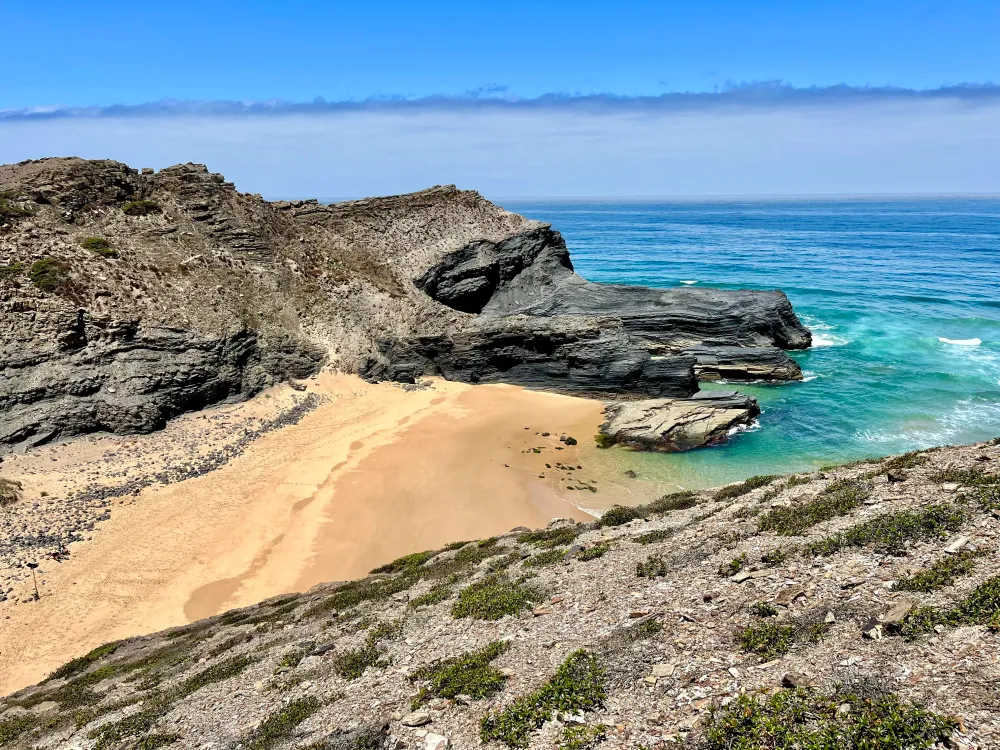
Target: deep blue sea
{"points": [[902, 297]]}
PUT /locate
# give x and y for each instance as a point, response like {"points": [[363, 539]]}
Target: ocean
{"points": [[902, 297]]}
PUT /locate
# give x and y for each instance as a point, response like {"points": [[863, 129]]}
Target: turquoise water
{"points": [[883, 285]]}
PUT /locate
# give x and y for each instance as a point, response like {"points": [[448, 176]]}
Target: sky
{"points": [[517, 99]]}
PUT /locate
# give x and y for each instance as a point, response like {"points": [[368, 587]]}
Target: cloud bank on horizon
{"points": [[751, 140]]}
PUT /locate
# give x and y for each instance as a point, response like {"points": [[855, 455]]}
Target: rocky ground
{"points": [[855, 607], [70, 498]]}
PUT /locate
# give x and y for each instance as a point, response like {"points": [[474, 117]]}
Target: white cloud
{"points": [[748, 142]]}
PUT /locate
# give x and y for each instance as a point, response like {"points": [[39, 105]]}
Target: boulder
{"points": [[670, 425]]}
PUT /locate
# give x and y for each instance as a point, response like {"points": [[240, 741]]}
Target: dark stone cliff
{"points": [[128, 297]]}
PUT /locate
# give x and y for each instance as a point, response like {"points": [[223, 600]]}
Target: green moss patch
{"points": [[838, 499], [890, 532], [435, 595], [733, 567], [84, 662], [592, 553], [981, 607], [471, 674], [582, 737], [655, 536], [804, 720], [353, 663], [99, 245], [494, 597], [578, 685]]}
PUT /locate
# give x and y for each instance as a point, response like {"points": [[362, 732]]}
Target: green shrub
{"points": [[733, 567], [494, 597], [578, 685], [12, 271], [764, 609], [775, 557], [407, 562], [582, 737], [738, 490], [909, 460], [559, 537], [592, 553], [655, 536], [653, 566], [435, 595], [889, 532], [974, 477], [353, 663], [981, 607], [617, 515], [10, 211], [279, 725], [471, 674], [548, 557], [386, 631], [49, 274], [156, 740], [11, 729], [766, 639], [141, 208], [81, 663], [801, 719], [603, 441], [100, 246], [940, 573], [838, 499]]}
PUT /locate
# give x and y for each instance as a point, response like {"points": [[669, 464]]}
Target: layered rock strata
{"points": [[127, 297]]}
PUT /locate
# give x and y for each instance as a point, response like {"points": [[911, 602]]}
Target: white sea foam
{"points": [[752, 427], [960, 342], [967, 415], [808, 375], [689, 281], [825, 339]]}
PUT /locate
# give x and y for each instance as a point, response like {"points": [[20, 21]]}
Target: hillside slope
{"points": [[128, 297], [856, 607]]}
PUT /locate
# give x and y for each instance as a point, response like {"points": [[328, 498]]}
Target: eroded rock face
{"points": [[196, 293], [679, 424]]}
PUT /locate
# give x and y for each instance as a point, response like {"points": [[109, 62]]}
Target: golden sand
{"points": [[374, 473]]}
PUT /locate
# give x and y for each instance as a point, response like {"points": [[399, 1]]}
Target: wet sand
{"points": [[373, 473]]}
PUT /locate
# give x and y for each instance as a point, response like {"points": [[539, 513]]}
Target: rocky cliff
{"points": [[127, 297], [854, 607]]}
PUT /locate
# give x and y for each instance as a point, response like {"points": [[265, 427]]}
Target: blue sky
{"points": [[78, 62]]}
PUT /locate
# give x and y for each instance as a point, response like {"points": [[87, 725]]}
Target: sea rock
{"points": [[743, 363], [677, 424]]}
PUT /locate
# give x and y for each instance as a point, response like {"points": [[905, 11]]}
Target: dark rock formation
{"points": [[195, 293], [678, 424]]}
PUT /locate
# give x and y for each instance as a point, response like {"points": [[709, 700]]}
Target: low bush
{"points": [[940, 573], [82, 663], [12, 271], [548, 557], [276, 727], [655, 536], [547, 538], [909, 460], [99, 245], [352, 664], [49, 274], [738, 490], [578, 685], [434, 596], [582, 737], [733, 567], [838, 499], [767, 640], [890, 532], [801, 719], [764, 609], [981, 607], [592, 553], [494, 597], [654, 566], [775, 557], [471, 674]]}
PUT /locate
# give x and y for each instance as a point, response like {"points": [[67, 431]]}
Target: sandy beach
{"points": [[374, 472]]}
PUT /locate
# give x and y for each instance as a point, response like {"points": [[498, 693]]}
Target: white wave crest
{"points": [[823, 339], [808, 376], [960, 342], [752, 427], [689, 281]]}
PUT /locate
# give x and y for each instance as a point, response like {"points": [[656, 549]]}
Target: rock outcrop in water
{"points": [[127, 297], [677, 424]]}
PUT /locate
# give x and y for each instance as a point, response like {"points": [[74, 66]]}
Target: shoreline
{"points": [[372, 473]]}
